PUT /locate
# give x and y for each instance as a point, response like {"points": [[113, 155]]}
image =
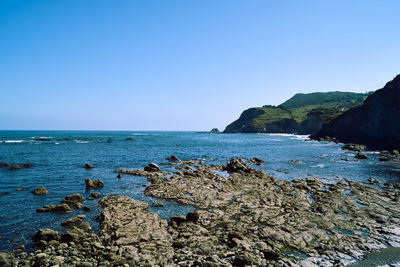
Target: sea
{"points": [[58, 158]]}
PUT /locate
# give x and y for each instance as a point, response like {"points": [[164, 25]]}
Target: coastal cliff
{"points": [[375, 123], [302, 114]]}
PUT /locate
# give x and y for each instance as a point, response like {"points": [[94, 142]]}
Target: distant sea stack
{"points": [[301, 114], [376, 123]]}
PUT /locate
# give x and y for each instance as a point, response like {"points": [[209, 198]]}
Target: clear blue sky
{"points": [[183, 65]]}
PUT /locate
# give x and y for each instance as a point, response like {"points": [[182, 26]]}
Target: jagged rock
{"points": [[142, 173], [173, 158], [178, 219], [93, 184], [75, 235], [3, 164], [74, 200], [60, 209], [40, 191], [86, 208], [76, 221], [237, 165], [361, 156], [152, 167], [88, 166], [119, 176], [158, 204]]}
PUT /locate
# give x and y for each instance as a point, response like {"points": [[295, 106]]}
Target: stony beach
{"points": [[243, 217]]}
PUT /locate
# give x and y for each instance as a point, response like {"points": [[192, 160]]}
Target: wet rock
{"points": [[18, 167], [296, 161], [40, 191], [3, 164], [173, 158], [158, 204], [395, 152], [129, 139], [237, 165], [86, 208], [257, 161], [94, 196], [372, 181], [76, 221], [119, 176], [360, 155], [22, 189], [58, 209], [354, 147], [93, 184], [152, 167], [88, 166], [383, 159], [74, 200], [4, 193], [142, 173]]}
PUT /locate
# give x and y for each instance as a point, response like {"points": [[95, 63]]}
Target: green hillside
{"points": [[303, 113]]}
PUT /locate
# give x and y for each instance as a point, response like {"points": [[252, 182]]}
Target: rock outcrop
{"points": [[40, 191], [375, 123], [93, 184]]}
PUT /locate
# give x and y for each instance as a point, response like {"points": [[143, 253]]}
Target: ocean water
{"points": [[59, 158]]}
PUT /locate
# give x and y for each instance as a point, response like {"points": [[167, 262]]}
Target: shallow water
{"points": [[58, 165]]}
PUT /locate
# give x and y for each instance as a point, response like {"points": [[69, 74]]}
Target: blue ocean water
{"points": [[59, 157]]}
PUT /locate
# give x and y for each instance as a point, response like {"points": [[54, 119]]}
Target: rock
{"points": [[373, 181], [178, 219], [75, 235], [3, 164], [88, 166], [257, 161], [76, 221], [129, 139], [40, 191], [361, 156], [192, 216], [93, 184], [383, 159], [237, 165], [4, 193], [173, 158], [94, 196], [158, 204], [354, 147], [86, 209], [74, 200], [119, 176], [152, 167], [18, 167], [395, 152], [7, 260], [22, 189], [58, 209], [47, 235]]}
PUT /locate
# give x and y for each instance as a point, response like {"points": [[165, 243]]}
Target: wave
{"points": [[13, 141], [320, 165]]}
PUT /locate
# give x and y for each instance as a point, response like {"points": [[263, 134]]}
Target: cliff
{"points": [[303, 113], [375, 123]]}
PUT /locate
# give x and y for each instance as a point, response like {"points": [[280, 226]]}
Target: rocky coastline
{"points": [[243, 217]]}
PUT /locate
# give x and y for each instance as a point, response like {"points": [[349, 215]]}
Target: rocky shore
{"points": [[243, 217]]}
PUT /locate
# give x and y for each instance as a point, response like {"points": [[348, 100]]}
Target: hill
{"points": [[303, 113], [375, 123]]}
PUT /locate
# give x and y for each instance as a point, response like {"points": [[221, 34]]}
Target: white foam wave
{"points": [[81, 142], [13, 141], [320, 165]]}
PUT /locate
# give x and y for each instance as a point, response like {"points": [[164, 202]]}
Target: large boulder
{"points": [[40, 191], [93, 184]]}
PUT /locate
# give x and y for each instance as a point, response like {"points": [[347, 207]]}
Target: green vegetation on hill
{"points": [[303, 113]]}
